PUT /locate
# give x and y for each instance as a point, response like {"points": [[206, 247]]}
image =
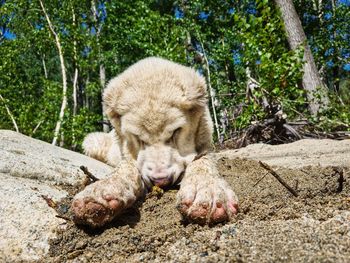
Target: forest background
{"points": [[56, 57]]}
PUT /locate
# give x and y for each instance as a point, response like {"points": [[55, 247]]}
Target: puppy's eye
{"points": [[143, 143], [173, 137]]}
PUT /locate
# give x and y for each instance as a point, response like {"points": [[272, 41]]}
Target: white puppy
{"points": [[161, 122]]}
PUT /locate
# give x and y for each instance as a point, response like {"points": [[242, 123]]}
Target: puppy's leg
{"points": [[204, 197], [100, 202], [103, 147]]}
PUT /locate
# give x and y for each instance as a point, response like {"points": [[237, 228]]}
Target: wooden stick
{"points": [[198, 156], [90, 175], [268, 168], [211, 90], [260, 179], [51, 203], [64, 217]]}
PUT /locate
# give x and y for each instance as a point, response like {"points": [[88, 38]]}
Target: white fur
{"points": [[161, 122]]}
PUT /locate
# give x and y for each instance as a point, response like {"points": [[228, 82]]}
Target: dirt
{"points": [[272, 224]]}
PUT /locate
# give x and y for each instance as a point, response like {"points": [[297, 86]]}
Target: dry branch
{"points": [[211, 91], [271, 171], [64, 217], [90, 175], [198, 156], [50, 202]]}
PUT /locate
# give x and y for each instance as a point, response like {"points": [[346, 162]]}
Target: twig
{"points": [[260, 179], [292, 130], [51, 203], [198, 156], [90, 175], [251, 85], [296, 184], [268, 168], [339, 171], [64, 217], [37, 126], [10, 114], [211, 90]]}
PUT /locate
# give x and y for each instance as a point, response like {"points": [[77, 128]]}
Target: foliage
{"points": [[234, 37], [277, 69], [327, 25]]}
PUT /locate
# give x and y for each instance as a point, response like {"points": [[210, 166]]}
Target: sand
{"points": [[271, 226]]}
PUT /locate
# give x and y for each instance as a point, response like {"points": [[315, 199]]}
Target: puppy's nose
{"points": [[163, 182], [161, 179]]}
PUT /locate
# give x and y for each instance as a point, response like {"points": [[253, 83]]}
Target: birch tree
{"points": [[63, 72], [102, 69], [316, 91]]}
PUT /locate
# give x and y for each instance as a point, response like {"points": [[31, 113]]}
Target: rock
{"points": [[30, 168], [297, 154], [25, 157]]}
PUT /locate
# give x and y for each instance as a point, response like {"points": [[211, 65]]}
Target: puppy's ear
{"points": [[195, 93], [111, 100]]}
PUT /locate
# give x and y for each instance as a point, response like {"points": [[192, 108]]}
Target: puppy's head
{"points": [[155, 107], [162, 140]]}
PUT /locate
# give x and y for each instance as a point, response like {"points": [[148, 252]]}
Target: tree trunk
{"points": [[75, 81], [76, 71], [336, 77], [315, 89], [64, 76], [103, 84], [102, 66]]}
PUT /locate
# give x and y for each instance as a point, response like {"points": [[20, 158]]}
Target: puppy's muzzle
{"points": [[162, 181]]}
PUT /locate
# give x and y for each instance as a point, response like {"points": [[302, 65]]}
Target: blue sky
{"points": [[344, 2], [9, 35]]}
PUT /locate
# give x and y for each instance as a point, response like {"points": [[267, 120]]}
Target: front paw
{"points": [[207, 200], [100, 202]]}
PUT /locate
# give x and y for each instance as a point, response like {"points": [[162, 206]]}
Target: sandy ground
{"points": [[272, 225]]}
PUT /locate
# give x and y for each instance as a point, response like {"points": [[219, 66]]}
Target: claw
{"points": [[89, 212], [214, 203]]}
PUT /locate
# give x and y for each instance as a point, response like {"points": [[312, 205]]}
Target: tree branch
{"points": [[272, 172], [10, 114], [211, 91]]}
